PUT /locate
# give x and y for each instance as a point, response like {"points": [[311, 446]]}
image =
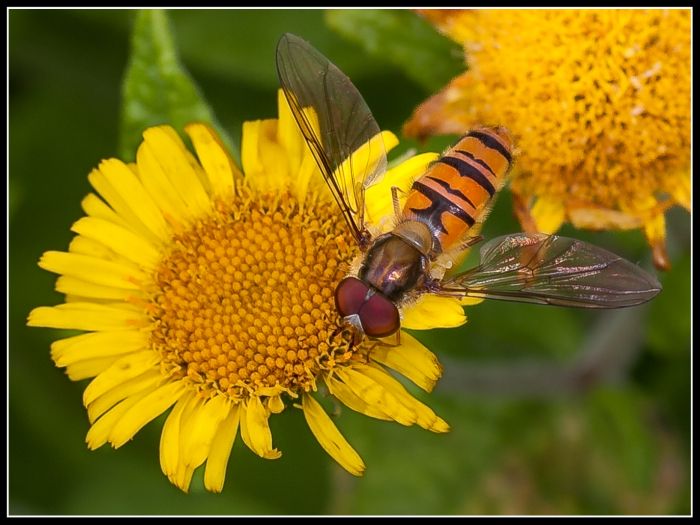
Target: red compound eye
{"points": [[379, 317], [350, 296]]}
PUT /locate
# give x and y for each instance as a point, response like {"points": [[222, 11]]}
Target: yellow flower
{"points": [[211, 290], [599, 101]]}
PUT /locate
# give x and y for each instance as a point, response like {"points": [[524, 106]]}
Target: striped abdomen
{"points": [[453, 193]]}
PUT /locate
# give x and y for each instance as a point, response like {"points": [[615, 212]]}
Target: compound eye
{"points": [[379, 317], [349, 296]]}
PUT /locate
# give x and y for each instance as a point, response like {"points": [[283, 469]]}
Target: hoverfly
{"points": [[442, 214]]}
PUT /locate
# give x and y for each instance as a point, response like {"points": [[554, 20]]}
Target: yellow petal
{"points": [[303, 169], [375, 395], [250, 158], [125, 368], [171, 156], [83, 246], [69, 285], [289, 135], [275, 404], [273, 159], [97, 271], [363, 164], [202, 429], [378, 198], [412, 360], [120, 240], [146, 382], [255, 429], [330, 437], [127, 307], [172, 445], [116, 203], [221, 445], [93, 206], [424, 416], [70, 350], [431, 311], [345, 395], [263, 158], [655, 233], [680, 188], [90, 367], [190, 159], [406, 172], [100, 430], [214, 158], [655, 228], [170, 456], [84, 316], [549, 214], [596, 218], [309, 168], [180, 474], [308, 174], [183, 478], [147, 409], [187, 421], [471, 301], [159, 185], [118, 185]]}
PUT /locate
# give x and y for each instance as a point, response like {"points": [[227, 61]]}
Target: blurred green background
{"points": [[553, 411]]}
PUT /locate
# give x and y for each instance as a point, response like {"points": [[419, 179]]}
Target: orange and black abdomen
{"points": [[455, 190]]}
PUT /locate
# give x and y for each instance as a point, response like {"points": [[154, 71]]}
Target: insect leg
{"points": [[336, 332], [471, 242], [395, 200]]}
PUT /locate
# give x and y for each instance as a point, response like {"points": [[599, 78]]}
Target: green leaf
{"points": [[404, 39], [157, 88]]}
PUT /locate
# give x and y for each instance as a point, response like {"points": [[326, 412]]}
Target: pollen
{"points": [[245, 299]]}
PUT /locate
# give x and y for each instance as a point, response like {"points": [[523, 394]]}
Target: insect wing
{"points": [[345, 124], [547, 269]]}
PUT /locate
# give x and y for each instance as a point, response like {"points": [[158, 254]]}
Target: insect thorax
{"points": [[393, 266]]}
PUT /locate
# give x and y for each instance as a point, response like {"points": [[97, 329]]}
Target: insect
{"points": [[442, 215]]}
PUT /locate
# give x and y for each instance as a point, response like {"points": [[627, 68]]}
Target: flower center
{"points": [[246, 298]]}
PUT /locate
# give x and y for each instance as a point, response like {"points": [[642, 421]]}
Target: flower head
{"points": [[210, 290], [599, 101]]}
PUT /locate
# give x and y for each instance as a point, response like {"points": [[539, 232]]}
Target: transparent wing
{"points": [[546, 269], [344, 125]]}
